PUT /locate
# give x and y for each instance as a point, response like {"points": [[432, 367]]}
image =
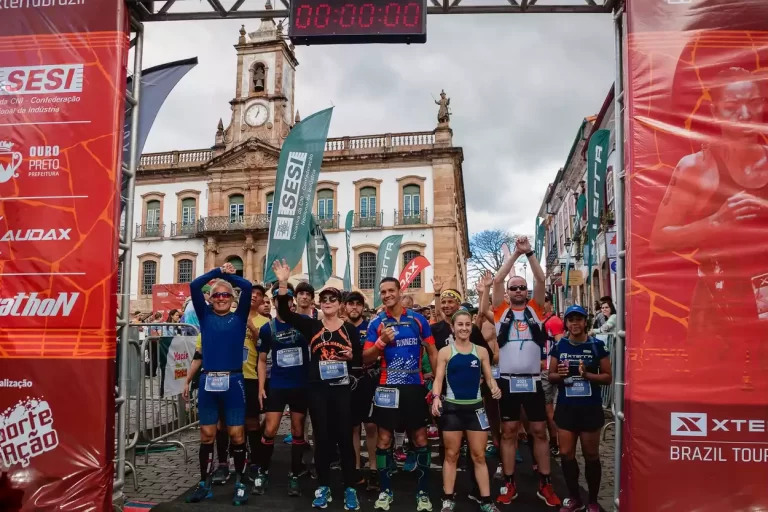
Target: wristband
{"points": [[529, 254], [380, 344]]}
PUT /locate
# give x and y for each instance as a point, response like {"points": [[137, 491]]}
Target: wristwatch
{"points": [[529, 254]]}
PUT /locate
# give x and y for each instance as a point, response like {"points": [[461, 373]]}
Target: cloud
{"points": [[519, 85]]}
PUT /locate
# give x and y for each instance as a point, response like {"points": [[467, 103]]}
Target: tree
{"points": [[485, 247]]}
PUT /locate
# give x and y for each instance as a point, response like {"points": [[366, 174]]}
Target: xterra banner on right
{"points": [[697, 290]]}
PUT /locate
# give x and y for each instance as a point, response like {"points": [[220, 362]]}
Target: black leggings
{"points": [[330, 408]]}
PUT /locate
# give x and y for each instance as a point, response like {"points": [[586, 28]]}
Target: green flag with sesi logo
{"points": [[348, 233], [297, 173], [386, 261]]}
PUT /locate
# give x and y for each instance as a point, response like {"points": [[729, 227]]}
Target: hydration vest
{"points": [[539, 335]]}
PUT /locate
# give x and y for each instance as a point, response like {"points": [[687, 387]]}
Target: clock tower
{"points": [[263, 105]]}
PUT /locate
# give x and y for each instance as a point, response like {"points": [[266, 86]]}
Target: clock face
{"points": [[256, 115]]}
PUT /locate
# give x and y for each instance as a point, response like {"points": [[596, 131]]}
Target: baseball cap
{"points": [[355, 296], [330, 291], [575, 310]]}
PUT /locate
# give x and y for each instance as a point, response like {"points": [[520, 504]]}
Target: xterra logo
{"points": [[697, 424]]}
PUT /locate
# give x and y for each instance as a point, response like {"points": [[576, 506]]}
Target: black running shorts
{"points": [[412, 413], [579, 418], [510, 404], [252, 407], [295, 398], [460, 417], [362, 400]]}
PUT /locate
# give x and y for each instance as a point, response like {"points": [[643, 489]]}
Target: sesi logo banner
{"points": [[46, 79]]}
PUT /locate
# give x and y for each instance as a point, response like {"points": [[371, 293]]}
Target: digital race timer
{"points": [[358, 21]]}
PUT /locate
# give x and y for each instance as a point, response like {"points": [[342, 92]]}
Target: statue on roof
{"points": [[443, 113]]}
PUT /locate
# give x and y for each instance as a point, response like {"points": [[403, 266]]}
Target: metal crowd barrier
{"points": [[608, 391], [155, 415]]}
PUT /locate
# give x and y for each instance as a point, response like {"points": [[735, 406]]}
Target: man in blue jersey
{"points": [[396, 335], [287, 387], [221, 385], [362, 394]]}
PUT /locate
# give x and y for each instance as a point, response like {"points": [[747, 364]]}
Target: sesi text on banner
{"points": [[62, 83], [697, 290]]}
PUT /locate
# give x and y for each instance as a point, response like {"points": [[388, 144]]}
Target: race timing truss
{"points": [[186, 10]]}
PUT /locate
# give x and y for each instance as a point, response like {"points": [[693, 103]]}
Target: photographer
{"points": [[579, 364]]}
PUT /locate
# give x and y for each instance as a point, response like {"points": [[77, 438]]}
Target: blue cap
{"points": [[575, 309]]}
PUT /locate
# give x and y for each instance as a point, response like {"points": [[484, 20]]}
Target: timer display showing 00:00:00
{"points": [[395, 15]]}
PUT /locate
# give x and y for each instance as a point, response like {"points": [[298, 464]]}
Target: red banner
{"points": [[696, 436], [166, 297], [62, 76], [411, 270]]}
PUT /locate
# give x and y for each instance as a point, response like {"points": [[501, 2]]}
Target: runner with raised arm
{"points": [[333, 345], [397, 334], [521, 337], [462, 363], [221, 385]]}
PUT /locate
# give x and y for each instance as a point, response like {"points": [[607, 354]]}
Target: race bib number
{"points": [[388, 398], [289, 357], [581, 388], [330, 370], [522, 384], [245, 354], [496, 372], [482, 417], [217, 382]]}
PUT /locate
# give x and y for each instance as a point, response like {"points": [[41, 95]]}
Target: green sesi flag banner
{"points": [[597, 164], [348, 233], [386, 261], [318, 256], [297, 173], [539, 238]]}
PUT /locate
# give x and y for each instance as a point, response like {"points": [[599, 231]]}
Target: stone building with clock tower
{"points": [[196, 209]]}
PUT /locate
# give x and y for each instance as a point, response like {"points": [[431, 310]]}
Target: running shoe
{"points": [[554, 450], [489, 507], [221, 474], [474, 495], [571, 505], [322, 497], [491, 451], [593, 507], [373, 481], [241, 494], [385, 500], [410, 462], [260, 483], [499, 474], [507, 493], [518, 457], [350, 499], [432, 433], [400, 455], [288, 439], [422, 502], [293, 486], [253, 470], [203, 492], [548, 496], [448, 506], [312, 471]]}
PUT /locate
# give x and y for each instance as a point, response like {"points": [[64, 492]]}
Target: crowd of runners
{"points": [[509, 367]]}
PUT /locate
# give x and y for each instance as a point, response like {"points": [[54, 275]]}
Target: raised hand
{"points": [[487, 279], [437, 284], [228, 268], [523, 245], [282, 271]]}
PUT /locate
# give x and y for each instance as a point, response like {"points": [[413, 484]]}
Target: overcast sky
{"points": [[519, 87]]}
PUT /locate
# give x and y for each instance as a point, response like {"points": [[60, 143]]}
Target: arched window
{"points": [[185, 271], [367, 202], [238, 264], [270, 201], [236, 208], [153, 219], [149, 277], [259, 77], [188, 211], [407, 257], [366, 279], [325, 204], [411, 200]]}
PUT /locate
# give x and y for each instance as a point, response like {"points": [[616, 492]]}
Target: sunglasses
{"points": [[519, 288], [221, 295], [328, 298]]}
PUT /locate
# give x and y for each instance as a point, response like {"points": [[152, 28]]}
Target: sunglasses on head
{"points": [[221, 295], [328, 298], [518, 288]]}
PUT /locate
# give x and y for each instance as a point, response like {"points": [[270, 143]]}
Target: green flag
{"points": [[566, 286], [386, 261], [297, 173], [581, 204], [318, 256], [597, 164], [539, 238], [348, 233]]}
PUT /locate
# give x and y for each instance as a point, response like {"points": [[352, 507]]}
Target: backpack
{"points": [[539, 335], [412, 322]]}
